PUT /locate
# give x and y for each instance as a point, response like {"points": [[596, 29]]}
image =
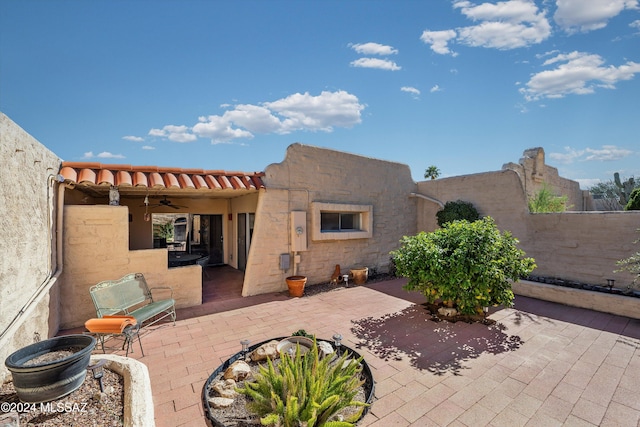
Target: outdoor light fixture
{"points": [[114, 196], [345, 279], [610, 283], [337, 341], [245, 346], [98, 372]]}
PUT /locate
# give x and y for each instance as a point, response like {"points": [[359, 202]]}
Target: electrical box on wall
{"points": [[298, 231], [285, 260]]}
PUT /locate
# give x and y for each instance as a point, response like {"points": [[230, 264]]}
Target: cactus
{"points": [[624, 189]]}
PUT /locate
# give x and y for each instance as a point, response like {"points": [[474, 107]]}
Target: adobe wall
{"points": [[96, 248], [582, 246], [28, 194], [496, 194], [534, 173], [311, 174]]}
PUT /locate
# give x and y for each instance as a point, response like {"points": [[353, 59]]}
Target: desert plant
{"points": [[470, 264], [545, 201], [302, 333], [458, 210], [634, 201], [305, 390], [631, 264], [624, 188]]}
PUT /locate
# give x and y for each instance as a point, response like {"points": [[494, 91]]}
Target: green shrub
{"points": [[305, 390], [467, 263], [634, 201], [458, 210], [544, 201]]}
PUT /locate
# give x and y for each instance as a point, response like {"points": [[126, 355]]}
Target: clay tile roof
{"points": [[104, 175]]}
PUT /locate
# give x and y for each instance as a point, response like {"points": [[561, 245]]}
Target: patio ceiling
{"points": [[96, 179]]}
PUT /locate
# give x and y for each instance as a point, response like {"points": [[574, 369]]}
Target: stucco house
{"points": [[69, 225]]}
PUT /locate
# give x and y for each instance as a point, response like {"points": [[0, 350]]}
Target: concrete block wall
{"points": [[311, 174], [96, 248], [28, 195]]}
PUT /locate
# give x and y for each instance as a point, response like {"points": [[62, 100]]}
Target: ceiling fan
{"points": [[162, 202]]}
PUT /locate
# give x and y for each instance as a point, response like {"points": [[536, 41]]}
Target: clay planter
{"points": [[296, 285], [360, 275], [50, 380]]}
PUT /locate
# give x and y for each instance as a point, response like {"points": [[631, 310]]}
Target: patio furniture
{"points": [[114, 325], [132, 296], [180, 259]]}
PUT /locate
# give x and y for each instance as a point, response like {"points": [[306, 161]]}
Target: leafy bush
{"points": [[467, 263], [458, 210], [634, 201], [544, 201], [305, 390]]}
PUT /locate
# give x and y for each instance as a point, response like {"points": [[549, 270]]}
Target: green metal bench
{"points": [[132, 296]]}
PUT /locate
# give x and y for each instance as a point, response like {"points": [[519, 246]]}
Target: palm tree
{"points": [[432, 172]]}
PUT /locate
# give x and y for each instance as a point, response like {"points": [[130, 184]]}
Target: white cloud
{"points": [[219, 129], [439, 41], [322, 112], [373, 49], [576, 16], [174, 133], [296, 112], [569, 155], [133, 138], [435, 88], [606, 153], [410, 89], [504, 25], [148, 147], [635, 24], [587, 183], [576, 73], [103, 155], [381, 64]]}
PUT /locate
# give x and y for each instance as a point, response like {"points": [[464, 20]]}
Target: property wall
{"points": [[28, 194], [96, 248], [496, 194], [534, 173], [311, 174], [582, 246]]}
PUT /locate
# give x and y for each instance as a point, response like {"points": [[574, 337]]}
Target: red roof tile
{"points": [[98, 174]]}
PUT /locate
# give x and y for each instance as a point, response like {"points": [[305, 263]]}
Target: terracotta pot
{"points": [[296, 285], [360, 275], [46, 381]]}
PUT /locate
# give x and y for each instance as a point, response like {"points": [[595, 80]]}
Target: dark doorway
{"points": [[211, 237], [245, 233]]}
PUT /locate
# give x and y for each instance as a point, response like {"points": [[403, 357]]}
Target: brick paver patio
{"points": [[541, 364]]}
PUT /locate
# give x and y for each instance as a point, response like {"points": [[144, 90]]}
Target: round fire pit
{"points": [[368, 386], [50, 369]]}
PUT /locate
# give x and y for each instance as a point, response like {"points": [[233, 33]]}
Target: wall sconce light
{"points": [[114, 196]]}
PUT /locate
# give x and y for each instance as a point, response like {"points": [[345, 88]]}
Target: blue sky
{"points": [[466, 86]]}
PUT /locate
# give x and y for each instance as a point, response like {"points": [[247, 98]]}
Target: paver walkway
{"points": [[541, 364]]}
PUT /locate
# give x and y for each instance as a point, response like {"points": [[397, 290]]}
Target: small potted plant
{"points": [[296, 285], [305, 389]]}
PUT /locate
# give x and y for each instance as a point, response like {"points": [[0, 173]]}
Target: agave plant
{"points": [[305, 390]]}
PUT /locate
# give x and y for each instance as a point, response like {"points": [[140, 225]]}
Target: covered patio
{"points": [[540, 364]]}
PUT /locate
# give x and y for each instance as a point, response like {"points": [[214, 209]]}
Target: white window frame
{"points": [[366, 221]]}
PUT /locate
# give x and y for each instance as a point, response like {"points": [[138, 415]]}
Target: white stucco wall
{"points": [[27, 217]]}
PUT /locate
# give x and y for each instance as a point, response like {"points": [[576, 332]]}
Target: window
{"points": [[341, 221], [336, 221]]}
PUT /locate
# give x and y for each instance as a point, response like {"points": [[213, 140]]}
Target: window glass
{"points": [[329, 221]]}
